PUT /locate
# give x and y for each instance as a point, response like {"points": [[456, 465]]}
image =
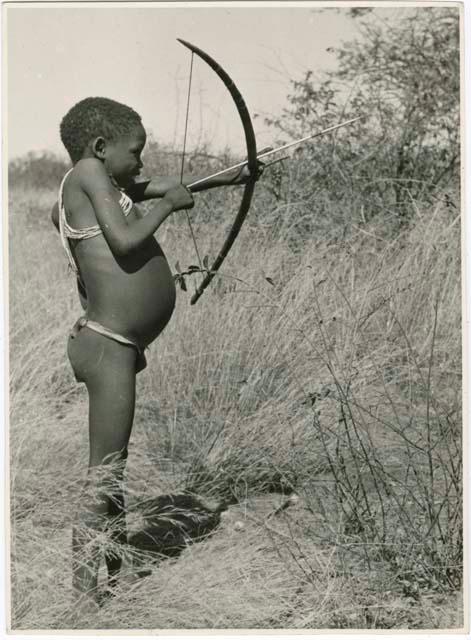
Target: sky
{"points": [[59, 55]]}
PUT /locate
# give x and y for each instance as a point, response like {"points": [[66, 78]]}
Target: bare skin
{"points": [[127, 286]]}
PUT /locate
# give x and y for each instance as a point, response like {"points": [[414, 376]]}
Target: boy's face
{"points": [[123, 156]]}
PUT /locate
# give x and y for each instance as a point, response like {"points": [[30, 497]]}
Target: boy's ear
{"points": [[99, 147]]}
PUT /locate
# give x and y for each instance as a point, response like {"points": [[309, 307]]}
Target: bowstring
{"points": [[183, 161]]}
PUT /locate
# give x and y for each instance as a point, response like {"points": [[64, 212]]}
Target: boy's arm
{"points": [[123, 235], [157, 187]]}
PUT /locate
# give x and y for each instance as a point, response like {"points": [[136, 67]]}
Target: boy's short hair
{"points": [[94, 117]]}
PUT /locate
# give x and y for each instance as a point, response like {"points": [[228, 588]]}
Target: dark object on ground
{"points": [[174, 521]]}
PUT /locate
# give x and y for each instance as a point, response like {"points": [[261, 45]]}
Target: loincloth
{"points": [[141, 361]]}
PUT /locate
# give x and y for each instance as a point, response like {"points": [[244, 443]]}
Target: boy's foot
{"points": [[84, 608], [128, 577]]}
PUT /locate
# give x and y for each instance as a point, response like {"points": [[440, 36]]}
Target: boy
{"points": [[128, 292]]}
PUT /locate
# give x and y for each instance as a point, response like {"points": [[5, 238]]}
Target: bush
{"points": [[403, 76], [37, 170]]}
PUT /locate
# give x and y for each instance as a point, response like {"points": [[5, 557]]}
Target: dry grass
{"points": [[334, 379]]}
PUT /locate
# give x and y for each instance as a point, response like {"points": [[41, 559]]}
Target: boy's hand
{"points": [[180, 198], [241, 176]]}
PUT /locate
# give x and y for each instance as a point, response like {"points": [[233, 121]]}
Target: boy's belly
{"points": [[133, 296]]}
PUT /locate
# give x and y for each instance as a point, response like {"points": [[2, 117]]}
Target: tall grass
{"points": [[328, 365]]}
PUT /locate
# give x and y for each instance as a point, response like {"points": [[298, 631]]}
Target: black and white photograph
{"points": [[233, 276]]}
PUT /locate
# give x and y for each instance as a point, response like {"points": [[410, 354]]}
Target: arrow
{"points": [[272, 151]]}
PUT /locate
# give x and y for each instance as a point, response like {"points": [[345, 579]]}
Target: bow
{"points": [[251, 163]]}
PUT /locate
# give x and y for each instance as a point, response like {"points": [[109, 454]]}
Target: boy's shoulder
{"points": [[88, 171], [87, 167]]}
